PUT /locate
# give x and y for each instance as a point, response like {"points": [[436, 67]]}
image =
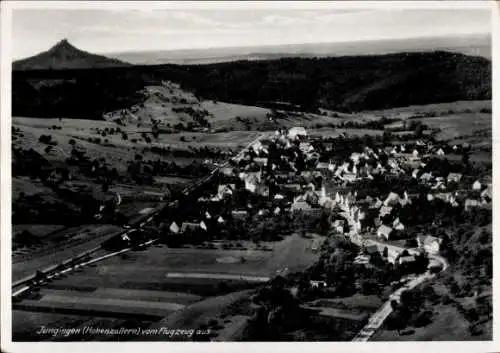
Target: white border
{"points": [[233, 5], [5, 196]]}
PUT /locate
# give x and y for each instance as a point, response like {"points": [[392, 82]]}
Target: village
{"points": [[284, 182]]}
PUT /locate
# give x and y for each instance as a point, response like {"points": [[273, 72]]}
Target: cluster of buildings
{"points": [[285, 174]]}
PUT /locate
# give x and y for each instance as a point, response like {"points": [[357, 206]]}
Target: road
{"points": [[24, 284], [378, 318]]}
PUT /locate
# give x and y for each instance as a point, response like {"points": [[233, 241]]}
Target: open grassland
{"points": [[448, 108], [455, 125]]}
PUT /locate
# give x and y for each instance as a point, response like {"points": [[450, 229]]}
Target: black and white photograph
{"points": [[247, 172]]}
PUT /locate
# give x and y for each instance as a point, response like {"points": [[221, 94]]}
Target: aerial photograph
{"points": [[264, 174]]}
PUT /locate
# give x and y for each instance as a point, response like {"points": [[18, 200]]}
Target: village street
{"points": [[378, 318]]}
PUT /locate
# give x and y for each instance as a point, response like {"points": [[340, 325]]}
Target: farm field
{"points": [[150, 284]]}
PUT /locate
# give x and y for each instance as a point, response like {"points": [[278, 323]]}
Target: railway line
{"points": [[96, 254]]}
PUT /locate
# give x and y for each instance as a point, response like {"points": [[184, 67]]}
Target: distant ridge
{"points": [[64, 55]]}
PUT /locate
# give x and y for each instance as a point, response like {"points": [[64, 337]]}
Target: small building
{"points": [[322, 166], [384, 231], [391, 199], [384, 211], [406, 259], [296, 132], [476, 186], [454, 177], [300, 204], [398, 225], [426, 177], [471, 203], [174, 228], [225, 190], [239, 214], [429, 243], [190, 227], [487, 193], [318, 284]]}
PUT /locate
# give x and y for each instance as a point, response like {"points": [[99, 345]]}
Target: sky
{"points": [[108, 30]]}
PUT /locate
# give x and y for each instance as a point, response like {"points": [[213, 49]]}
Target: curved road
{"points": [[378, 318]]}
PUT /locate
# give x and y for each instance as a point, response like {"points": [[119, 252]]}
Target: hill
{"points": [[349, 83], [63, 55]]}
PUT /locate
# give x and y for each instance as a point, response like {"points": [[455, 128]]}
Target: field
{"points": [[151, 284]]}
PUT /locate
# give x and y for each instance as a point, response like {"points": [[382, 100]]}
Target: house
{"points": [[439, 186], [203, 226], [190, 227], [405, 200], [263, 212], [279, 197], [300, 204], [208, 215], [487, 193], [260, 161], [277, 211], [378, 203], [454, 177], [406, 259], [225, 190], [292, 187], [355, 156], [362, 260], [251, 181], [391, 199], [239, 214], [349, 177], [471, 203], [429, 243], [322, 166], [220, 219], [296, 132], [476, 186], [398, 225], [384, 231], [317, 284], [306, 147], [440, 152], [426, 177], [174, 228], [384, 211], [257, 146]]}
